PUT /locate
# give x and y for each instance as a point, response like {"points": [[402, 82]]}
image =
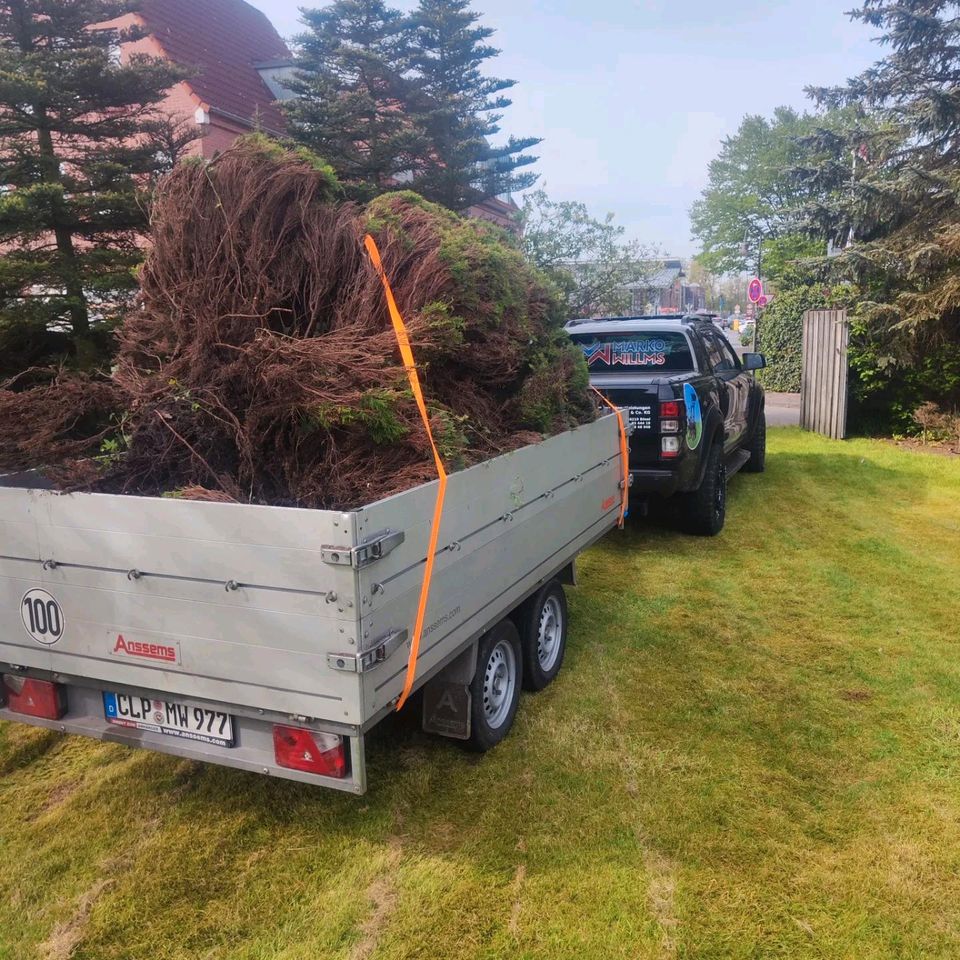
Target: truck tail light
{"points": [[669, 447], [670, 413], [309, 751], [35, 698]]}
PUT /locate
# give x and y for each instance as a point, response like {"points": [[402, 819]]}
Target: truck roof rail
{"points": [[646, 316]]}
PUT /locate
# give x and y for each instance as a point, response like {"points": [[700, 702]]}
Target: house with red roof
{"points": [[236, 58], [237, 62]]}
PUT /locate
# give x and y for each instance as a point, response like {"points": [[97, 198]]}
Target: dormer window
{"points": [[273, 73]]}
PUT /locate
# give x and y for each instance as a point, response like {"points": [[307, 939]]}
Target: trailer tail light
{"points": [[35, 698], [669, 447], [309, 751]]}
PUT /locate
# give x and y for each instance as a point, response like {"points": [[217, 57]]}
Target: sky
{"points": [[633, 99]]}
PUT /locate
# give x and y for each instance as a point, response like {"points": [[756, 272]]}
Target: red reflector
{"points": [[309, 751], [35, 698], [672, 408]]}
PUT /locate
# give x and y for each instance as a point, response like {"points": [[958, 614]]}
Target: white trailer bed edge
{"points": [[277, 615]]}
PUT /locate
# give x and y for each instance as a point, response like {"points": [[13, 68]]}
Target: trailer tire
{"points": [[543, 635], [495, 688]]}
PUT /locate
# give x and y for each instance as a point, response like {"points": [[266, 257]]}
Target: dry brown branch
{"points": [[260, 362]]}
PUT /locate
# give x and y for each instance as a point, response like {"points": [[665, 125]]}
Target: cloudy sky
{"points": [[632, 99]]}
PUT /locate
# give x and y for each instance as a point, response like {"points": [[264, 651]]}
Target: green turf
{"points": [[753, 750]]}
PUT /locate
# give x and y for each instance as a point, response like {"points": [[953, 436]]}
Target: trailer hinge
{"points": [[368, 659], [372, 549]]}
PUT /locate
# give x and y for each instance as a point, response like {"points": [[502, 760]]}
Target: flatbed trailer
{"points": [[272, 639]]}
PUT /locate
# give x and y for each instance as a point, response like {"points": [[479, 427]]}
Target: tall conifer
{"points": [[352, 91], [460, 109], [78, 150]]}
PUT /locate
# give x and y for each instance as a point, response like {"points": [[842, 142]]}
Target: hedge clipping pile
{"points": [[260, 364]]}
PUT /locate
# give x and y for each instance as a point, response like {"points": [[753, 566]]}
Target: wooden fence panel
{"points": [[823, 390]]}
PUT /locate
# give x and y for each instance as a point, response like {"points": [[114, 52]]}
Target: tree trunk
{"points": [[79, 314]]}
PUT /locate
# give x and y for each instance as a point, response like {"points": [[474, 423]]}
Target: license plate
{"points": [[641, 418], [170, 717]]}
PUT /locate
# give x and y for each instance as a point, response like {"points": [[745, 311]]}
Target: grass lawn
{"points": [[753, 750]]}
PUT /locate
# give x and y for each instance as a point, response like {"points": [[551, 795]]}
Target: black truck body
{"points": [[695, 407]]}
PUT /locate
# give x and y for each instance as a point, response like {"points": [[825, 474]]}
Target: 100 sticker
{"points": [[42, 616]]}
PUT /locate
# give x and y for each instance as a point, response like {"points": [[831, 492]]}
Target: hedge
{"points": [[781, 337]]}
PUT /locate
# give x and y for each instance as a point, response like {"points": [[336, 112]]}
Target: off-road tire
{"points": [[485, 734], [758, 447], [543, 635], [704, 510]]}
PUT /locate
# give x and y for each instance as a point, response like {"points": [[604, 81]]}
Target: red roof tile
{"points": [[221, 40]]}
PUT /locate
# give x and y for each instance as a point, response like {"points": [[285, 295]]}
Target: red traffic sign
{"points": [[755, 290], [762, 302]]}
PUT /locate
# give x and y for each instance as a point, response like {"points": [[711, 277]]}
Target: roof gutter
{"points": [[244, 122]]}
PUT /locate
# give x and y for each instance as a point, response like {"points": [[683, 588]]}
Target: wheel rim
{"points": [[499, 683], [549, 634], [720, 494]]}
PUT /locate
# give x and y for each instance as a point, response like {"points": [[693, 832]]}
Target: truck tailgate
{"points": [[642, 406]]}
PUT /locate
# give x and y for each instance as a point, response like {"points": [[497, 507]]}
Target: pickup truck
{"points": [[695, 408], [273, 639]]}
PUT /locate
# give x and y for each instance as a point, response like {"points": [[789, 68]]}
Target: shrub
{"points": [[781, 336], [890, 376], [938, 426]]}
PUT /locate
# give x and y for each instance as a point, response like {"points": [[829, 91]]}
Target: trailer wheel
{"points": [[495, 688], [544, 636]]}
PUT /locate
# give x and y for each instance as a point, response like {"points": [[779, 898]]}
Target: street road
{"points": [[783, 409]]}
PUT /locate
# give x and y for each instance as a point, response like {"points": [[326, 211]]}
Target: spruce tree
{"points": [[351, 92], [77, 153], [458, 110], [898, 219]]}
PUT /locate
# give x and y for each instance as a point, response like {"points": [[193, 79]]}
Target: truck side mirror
{"points": [[753, 361]]}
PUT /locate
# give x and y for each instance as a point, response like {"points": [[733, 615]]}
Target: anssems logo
{"points": [[161, 652]]}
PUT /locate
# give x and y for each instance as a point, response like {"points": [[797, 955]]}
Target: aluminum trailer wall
{"points": [[281, 613]]}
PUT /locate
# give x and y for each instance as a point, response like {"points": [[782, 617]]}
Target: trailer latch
{"points": [[368, 659], [372, 549]]}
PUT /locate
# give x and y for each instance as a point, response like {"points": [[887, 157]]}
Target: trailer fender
{"points": [[446, 697], [568, 575]]}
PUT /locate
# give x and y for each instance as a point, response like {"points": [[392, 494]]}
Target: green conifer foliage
{"points": [[80, 139]]}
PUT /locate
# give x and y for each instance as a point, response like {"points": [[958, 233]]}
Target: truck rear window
{"points": [[623, 352]]}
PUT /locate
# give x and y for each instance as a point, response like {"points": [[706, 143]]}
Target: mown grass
{"points": [[752, 751]]}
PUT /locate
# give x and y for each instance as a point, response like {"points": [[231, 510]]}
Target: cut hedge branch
{"points": [[260, 364]]}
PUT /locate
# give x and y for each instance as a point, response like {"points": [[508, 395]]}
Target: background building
{"points": [[662, 289], [238, 62], [236, 58]]}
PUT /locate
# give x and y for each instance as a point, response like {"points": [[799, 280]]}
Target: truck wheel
{"points": [[705, 509], [495, 688], [758, 446], [544, 636]]}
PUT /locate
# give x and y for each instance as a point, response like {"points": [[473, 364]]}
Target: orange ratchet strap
{"points": [[406, 354], [624, 456]]}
